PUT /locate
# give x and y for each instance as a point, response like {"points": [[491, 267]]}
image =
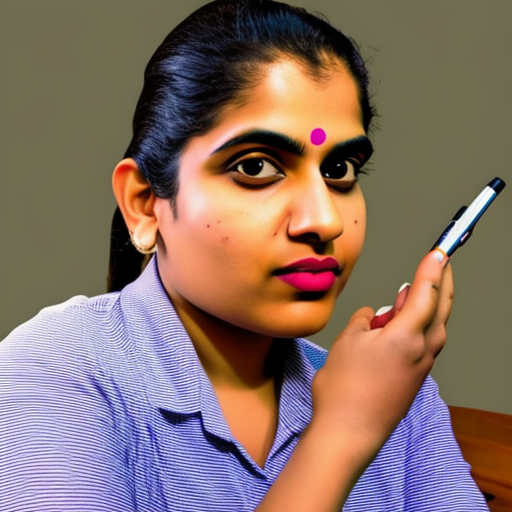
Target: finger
{"points": [[359, 323], [360, 320], [421, 305], [401, 297], [387, 313], [382, 317], [436, 332], [445, 296]]}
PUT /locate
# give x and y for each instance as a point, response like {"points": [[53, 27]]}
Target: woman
{"points": [[191, 388]]}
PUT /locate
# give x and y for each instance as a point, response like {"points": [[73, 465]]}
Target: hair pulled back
{"points": [[208, 61]]}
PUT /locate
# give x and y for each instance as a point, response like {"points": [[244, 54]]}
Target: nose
{"points": [[315, 215]]}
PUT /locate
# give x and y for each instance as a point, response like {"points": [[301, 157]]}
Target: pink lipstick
{"points": [[310, 274]]}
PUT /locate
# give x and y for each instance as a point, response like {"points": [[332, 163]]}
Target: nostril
{"points": [[314, 240], [310, 238]]}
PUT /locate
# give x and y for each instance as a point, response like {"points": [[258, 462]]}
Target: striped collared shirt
{"points": [[104, 406]]}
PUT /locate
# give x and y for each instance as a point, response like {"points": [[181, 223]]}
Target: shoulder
{"points": [[69, 363], [426, 431], [62, 325], [61, 403], [63, 344], [428, 404]]}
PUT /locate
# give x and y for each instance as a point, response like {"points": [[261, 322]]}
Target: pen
{"points": [[461, 226]]}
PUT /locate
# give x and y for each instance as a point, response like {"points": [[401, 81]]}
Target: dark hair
{"points": [[209, 60]]}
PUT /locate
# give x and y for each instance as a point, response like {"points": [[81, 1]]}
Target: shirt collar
{"points": [[175, 379], [170, 364]]}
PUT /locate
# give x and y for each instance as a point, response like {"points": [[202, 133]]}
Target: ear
{"points": [[136, 200]]}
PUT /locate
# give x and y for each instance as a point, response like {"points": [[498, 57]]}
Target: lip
{"points": [[310, 274]]}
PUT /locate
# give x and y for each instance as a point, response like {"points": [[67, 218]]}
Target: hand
{"points": [[371, 377], [366, 387]]}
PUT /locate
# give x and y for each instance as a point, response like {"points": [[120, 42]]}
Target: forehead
{"points": [[287, 80], [287, 97]]}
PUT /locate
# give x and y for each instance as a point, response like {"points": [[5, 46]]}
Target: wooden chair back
{"points": [[485, 439]]}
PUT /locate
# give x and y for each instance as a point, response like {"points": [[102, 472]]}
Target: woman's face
{"points": [[270, 218]]}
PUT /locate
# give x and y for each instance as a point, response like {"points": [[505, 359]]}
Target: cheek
{"points": [[350, 244], [222, 229], [360, 229], [214, 231], [223, 215], [355, 224], [221, 233], [353, 241], [359, 226]]}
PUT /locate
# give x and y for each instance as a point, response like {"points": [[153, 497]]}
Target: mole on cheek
{"points": [[355, 221]]}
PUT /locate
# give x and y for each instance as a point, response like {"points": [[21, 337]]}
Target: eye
{"points": [[255, 171], [341, 173]]}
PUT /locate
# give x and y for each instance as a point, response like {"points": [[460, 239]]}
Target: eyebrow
{"points": [[359, 144], [266, 138], [283, 142]]}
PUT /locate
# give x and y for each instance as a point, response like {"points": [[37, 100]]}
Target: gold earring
{"points": [[143, 249]]}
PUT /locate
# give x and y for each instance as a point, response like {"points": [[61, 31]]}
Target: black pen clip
{"points": [[448, 228]]}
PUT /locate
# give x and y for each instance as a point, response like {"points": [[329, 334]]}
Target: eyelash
{"points": [[339, 183], [259, 182], [254, 181]]}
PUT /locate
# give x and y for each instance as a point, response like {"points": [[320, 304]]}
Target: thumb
{"points": [[423, 296]]}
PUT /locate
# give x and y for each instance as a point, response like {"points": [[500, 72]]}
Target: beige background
{"points": [[70, 74]]}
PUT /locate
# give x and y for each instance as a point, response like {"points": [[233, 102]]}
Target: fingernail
{"points": [[441, 257], [382, 317], [403, 287], [383, 310]]}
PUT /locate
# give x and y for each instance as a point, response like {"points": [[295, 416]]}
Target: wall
{"points": [[70, 74]]}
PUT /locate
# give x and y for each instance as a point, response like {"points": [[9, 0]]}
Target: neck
{"points": [[230, 355]]}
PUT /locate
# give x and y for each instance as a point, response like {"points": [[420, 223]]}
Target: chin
{"points": [[298, 327], [308, 331], [311, 317]]}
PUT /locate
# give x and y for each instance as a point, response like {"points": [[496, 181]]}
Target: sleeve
{"points": [[62, 446], [437, 476]]}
